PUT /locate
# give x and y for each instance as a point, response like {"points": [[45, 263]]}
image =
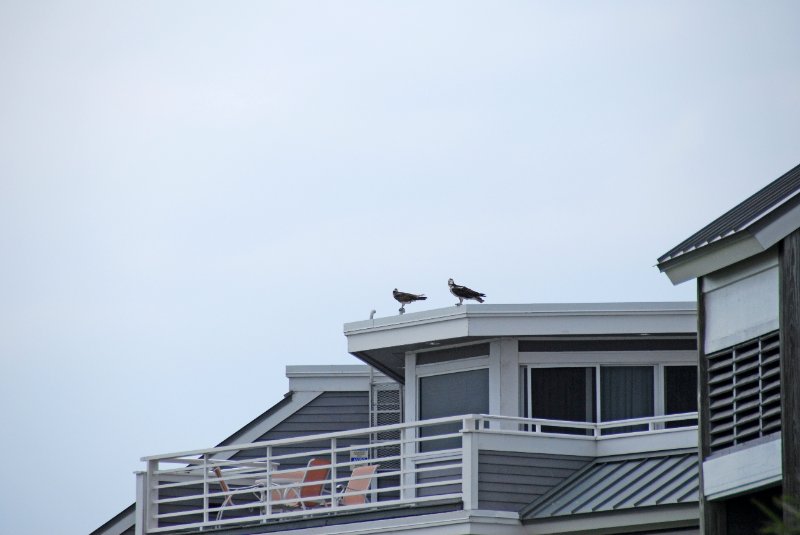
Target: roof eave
{"points": [[710, 258], [650, 518], [756, 239]]}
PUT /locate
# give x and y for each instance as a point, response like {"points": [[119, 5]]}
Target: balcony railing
{"points": [[416, 463]]}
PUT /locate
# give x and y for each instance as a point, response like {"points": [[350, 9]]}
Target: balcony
{"points": [[445, 462]]}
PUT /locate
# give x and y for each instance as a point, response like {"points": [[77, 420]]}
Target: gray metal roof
{"points": [[741, 216], [618, 483]]}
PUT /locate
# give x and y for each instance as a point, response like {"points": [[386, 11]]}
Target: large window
{"points": [[610, 393], [563, 394], [626, 392], [451, 394]]}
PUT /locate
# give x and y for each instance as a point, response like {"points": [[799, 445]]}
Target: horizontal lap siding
{"points": [[438, 476], [330, 412], [508, 481]]}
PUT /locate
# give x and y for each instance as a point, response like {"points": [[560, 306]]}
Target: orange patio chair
{"points": [[314, 479], [360, 480]]}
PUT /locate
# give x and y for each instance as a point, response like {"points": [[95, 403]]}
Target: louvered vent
{"points": [[744, 392], [386, 409]]}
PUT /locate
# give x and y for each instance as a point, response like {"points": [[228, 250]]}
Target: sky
{"points": [[194, 195]]}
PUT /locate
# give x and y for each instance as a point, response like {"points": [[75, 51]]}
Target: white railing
{"points": [[414, 463], [629, 427]]}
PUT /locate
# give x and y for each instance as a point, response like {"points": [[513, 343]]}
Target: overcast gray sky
{"points": [[200, 193]]}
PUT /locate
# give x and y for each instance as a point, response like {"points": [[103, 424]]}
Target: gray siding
{"points": [[508, 481], [438, 476], [328, 413]]}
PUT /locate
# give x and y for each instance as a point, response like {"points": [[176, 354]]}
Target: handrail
{"points": [[432, 421], [308, 438], [203, 488]]}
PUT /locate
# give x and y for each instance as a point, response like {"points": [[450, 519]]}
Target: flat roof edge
{"points": [[665, 308]]}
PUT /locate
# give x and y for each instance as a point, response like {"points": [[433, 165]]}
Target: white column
{"points": [[469, 459], [409, 433], [509, 377], [141, 503]]}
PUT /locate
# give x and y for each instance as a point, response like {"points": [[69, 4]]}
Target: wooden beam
{"points": [[712, 514], [790, 369]]}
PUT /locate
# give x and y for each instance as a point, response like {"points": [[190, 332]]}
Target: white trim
{"points": [[621, 358], [754, 238], [492, 321], [121, 525], [553, 444], [711, 258], [495, 390], [742, 470], [649, 518], [508, 378], [475, 522], [774, 231], [451, 366], [140, 512], [299, 400], [410, 401]]}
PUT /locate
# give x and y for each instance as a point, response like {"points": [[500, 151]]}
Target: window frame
{"points": [[658, 367]]}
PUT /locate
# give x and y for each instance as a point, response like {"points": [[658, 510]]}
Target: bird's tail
{"points": [[421, 297], [479, 300]]}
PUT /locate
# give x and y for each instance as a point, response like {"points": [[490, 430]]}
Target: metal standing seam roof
{"points": [[614, 484], [742, 215]]}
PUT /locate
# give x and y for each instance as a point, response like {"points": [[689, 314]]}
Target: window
{"points": [[451, 394], [563, 394], [609, 393], [680, 393], [626, 392]]}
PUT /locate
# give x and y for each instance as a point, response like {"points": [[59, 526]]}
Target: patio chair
{"points": [[310, 488], [228, 501], [360, 480], [226, 489]]}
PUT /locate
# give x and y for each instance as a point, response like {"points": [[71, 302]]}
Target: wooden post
{"points": [[712, 514], [789, 262]]}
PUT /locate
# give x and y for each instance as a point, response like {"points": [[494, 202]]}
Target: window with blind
{"points": [[744, 392], [609, 393]]}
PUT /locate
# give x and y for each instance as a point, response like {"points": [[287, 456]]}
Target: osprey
{"points": [[462, 292], [404, 298]]}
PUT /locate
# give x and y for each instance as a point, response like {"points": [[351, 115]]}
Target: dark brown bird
{"points": [[405, 298], [462, 292]]}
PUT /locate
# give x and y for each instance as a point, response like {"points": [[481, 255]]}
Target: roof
{"points": [[383, 342], [742, 217], [624, 482]]}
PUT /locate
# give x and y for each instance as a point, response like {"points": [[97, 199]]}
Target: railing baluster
{"points": [[152, 487], [205, 488], [423, 469], [334, 465], [267, 492]]}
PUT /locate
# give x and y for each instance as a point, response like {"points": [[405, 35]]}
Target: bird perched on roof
{"points": [[462, 292], [405, 298]]}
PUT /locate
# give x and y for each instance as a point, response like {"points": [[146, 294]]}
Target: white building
{"points": [[521, 419]]}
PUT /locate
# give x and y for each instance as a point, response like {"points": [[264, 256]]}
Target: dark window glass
{"points": [[450, 395], [563, 394], [626, 392], [680, 393]]}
